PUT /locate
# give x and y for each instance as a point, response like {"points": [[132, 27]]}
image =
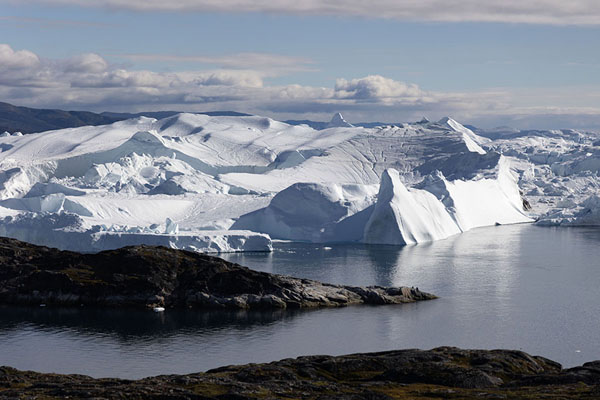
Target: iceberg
{"points": [[396, 215], [310, 212], [402, 217], [68, 232], [338, 121], [230, 183]]}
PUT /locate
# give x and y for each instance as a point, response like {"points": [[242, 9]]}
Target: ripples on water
{"points": [[522, 287]]}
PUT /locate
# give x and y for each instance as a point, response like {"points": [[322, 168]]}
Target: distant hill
{"points": [[31, 120], [165, 114]]}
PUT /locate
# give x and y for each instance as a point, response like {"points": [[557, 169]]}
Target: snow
{"points": [[558, 172], [471, 139], [68, 231], [309, 211], [338, 121], [231, 183], [391, 214], [401, 216], [569, 213]]}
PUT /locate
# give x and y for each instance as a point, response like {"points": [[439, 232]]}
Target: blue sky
{"points": [[520, 67]]}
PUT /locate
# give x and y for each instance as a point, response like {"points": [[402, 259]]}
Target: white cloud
{"points": [[90, 63], [584, 12], [10, 59], [231, 78], [378, 88], [89, 82]]}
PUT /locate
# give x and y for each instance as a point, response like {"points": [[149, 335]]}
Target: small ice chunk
{"points": [[171, 227]]}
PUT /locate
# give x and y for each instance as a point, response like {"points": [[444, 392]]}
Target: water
{"points": [[519, 287]]}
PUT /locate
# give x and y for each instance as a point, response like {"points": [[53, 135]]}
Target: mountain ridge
{"points": [[33, 120]]}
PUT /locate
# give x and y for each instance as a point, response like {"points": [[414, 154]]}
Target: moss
{"points": [[361, 375], [208, 389], [426, 391], [260, 393], [82, 276]]}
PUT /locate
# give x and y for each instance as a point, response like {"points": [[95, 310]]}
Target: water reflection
{"points": [[522, 287], [384, 262], [130, 326]]}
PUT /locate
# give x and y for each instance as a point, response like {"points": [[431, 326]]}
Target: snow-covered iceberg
{"points": [[586, 213], [441, 208], [67, 231], [435, 209], [338, 121], [312, 212], [558, 171], [227, 183], [401, 216]]}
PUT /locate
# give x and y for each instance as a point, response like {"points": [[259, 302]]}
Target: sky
{"points": [[526, 64]]}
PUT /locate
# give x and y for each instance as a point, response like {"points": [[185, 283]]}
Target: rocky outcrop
{"points": [[444, 372], [152, 276]]}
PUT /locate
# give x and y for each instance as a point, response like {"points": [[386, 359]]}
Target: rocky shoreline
{"points": [[442, 373], [154, 276]]}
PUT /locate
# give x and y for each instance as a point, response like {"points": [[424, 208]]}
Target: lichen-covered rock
{"points": [[445, 372], [151, 276]]}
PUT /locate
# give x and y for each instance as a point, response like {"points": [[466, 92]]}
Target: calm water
{"points": [[520, 287]]}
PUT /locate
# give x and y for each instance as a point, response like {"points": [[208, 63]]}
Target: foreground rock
{"points": [[445, 372], [151, 276]]}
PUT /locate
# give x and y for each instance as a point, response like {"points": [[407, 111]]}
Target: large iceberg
{"points": [[435, 209], [312, 212], [229, 183], [441, 208], [67, 231], [401, 216]]}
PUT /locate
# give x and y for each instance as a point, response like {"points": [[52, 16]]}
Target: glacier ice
{"points": [[401, 216], [310, 211], [338, 121], [230, 183]]}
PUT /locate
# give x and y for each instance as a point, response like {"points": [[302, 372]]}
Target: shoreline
{"points": [[157, 277], [444, 372]]}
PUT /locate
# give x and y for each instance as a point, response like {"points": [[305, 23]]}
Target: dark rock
{"points": [[150, 276], [444, 372]]}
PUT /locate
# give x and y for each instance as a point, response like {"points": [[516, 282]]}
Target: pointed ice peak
{"points": [[470, 138], [423, 120], [337, 121], [453, 125]]}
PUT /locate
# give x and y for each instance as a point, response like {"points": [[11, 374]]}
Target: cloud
{"points": [[86, 63], [89, 82], [559, 12], [379, 89], [10, 59], [230, 78]]}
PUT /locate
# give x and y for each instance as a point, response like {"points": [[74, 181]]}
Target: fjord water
{"points": [[518, 287]]}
